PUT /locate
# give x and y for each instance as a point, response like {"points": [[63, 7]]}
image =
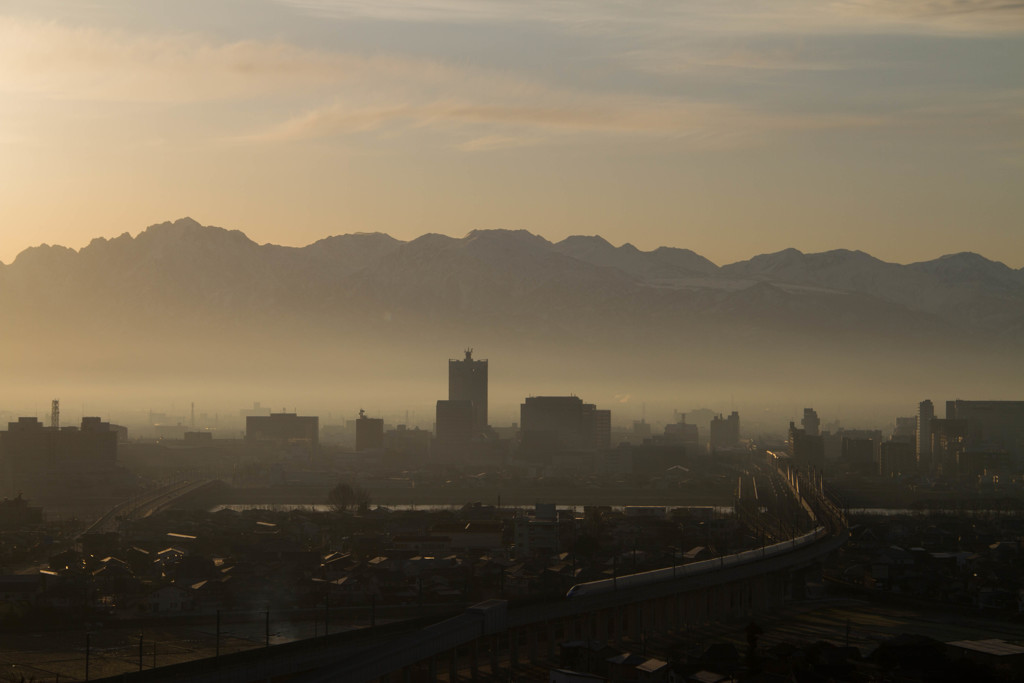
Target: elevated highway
{"points": [[492, 638]]}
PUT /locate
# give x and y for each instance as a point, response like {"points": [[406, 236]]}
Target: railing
{"points": [[696, 568]]}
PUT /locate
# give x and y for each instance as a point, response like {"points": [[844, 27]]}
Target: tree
{"points": [[344, 496]]}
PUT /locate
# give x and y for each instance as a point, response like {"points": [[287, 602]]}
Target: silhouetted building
{"points": [[859, 454], [455, 420], [369, 432], [725, 431], [193, 438], [550, 424], [925, 415], [602, 429], [905, 429], [16, 513], [467, 381], [949, 441], [680, 438], [256, 410], [413, 443], [897, 458], [806, 449], [283, 428], [991, 423], [30, 450], [810, 422]]}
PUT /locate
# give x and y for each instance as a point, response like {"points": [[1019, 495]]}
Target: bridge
{"points": [[490, 640]]}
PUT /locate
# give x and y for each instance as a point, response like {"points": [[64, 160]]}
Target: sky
{"points": [[729, 127]]}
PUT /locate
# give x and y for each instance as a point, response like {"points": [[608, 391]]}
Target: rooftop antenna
{"points": [[469, 353], [193, 414], [55, 414]]}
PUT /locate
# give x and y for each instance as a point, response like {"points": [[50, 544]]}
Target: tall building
{"points": [[949, 441], [811, 423], [725, 431], [991, 423], [467, 381], [905, 429], [602, 429], [369, 432], [806, 449], [925, 415]]}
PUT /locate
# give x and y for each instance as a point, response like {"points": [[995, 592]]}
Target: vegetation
{"points": [[345, 496]]}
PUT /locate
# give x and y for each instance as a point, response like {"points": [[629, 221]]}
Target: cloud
{"points": [[495, 142], [84, 63], [937, 16], [755, 17], [558, 114]]}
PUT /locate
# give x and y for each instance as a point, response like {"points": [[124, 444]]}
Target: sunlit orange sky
{"points": [[730, 127]]}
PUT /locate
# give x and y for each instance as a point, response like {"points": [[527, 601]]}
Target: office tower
{"points": [[467, 381], [811, 423]]}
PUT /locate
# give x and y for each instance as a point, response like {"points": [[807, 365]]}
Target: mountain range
{"points": [[179, 289]]}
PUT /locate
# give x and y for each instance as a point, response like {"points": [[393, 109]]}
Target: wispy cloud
{"points": [[319, 94], [559, 115], [64, 62], [720, 16], [494, 142]]}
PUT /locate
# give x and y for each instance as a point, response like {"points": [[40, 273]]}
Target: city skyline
{"points": [[731, 130]]}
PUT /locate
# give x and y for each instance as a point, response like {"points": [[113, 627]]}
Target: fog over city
{"points": [[181, 313], [494, 340]]}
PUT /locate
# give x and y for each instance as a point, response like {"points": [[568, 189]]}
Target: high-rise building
{"points": [[806, 449], [725, 431], [949, 441], [925, 415], [467, 381], [811, 423], [905, 429], [369, 432], [602, 429], [990, 424]]}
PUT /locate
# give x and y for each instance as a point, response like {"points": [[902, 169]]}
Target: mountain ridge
{"points": [[513, 276]]}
